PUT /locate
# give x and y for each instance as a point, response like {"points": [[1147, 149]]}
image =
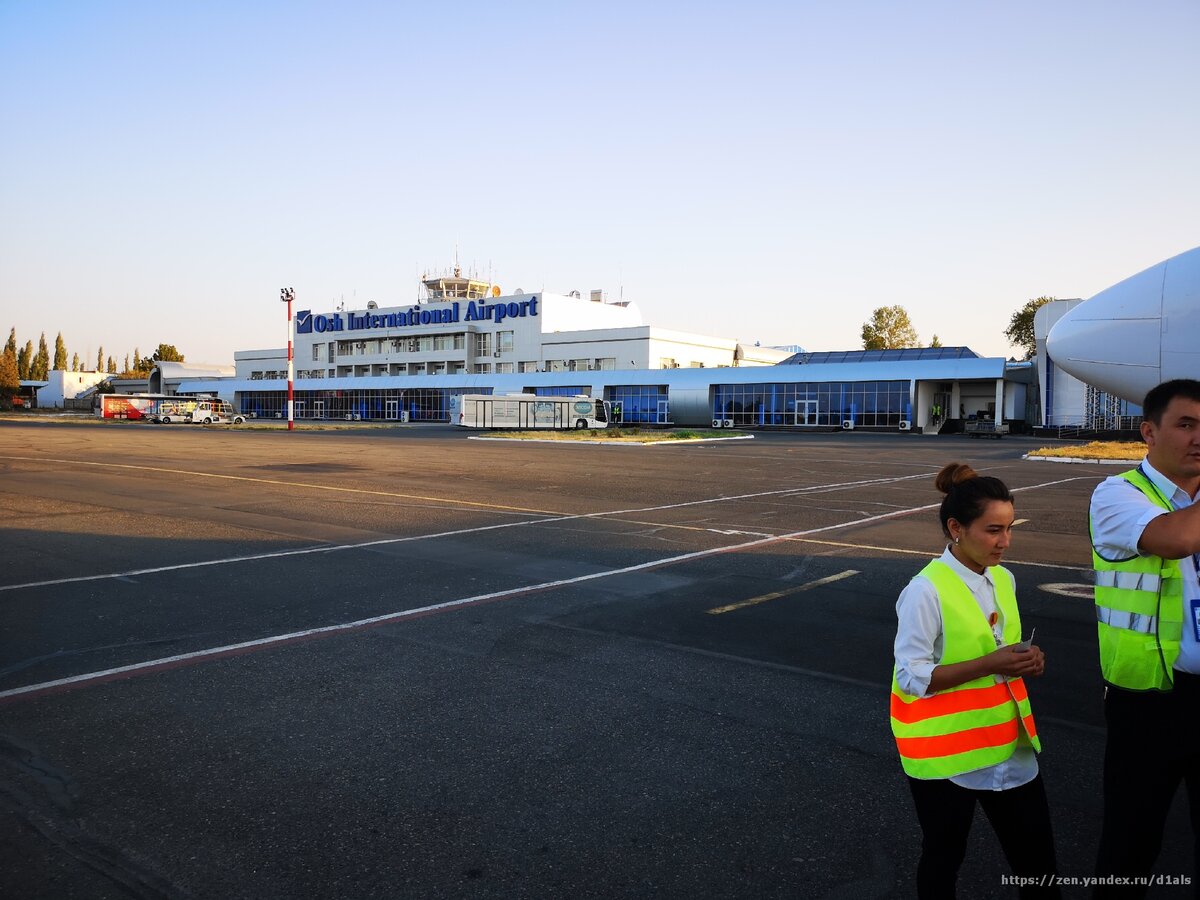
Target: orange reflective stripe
{"points": [[1017, 686], [1030, 728], [948, 703], [958, 741]]}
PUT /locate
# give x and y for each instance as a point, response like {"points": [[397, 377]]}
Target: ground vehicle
{"points": [[167, 409], [528, 411], [985, 428], [212, 412], [133, 406]]}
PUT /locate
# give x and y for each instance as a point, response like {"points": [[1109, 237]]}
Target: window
{"points": [[483, 344], [504, 341], [504, 368], [667, 362], [529, 366], [316, 352]]}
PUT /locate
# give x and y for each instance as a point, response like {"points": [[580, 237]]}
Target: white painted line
{"points": [[261, 643], [278, 554]]}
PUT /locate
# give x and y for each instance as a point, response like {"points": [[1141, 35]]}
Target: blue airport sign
{"points": [[476, 311]]}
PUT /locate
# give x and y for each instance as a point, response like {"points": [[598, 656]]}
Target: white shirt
{"points": [[1120, 513], [918, 649]]}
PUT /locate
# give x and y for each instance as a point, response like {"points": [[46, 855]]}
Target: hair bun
{"points": [[952, 474]]}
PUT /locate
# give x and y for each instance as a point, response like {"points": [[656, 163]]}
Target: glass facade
{"points": [[421, 404], [644, 403], [866, 403], [569, 390]]}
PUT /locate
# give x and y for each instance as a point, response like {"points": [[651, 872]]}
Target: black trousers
{"points": [[1019, 816], [1152, 745]]}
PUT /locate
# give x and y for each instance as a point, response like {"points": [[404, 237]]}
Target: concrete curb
{"points": [[740, 437], [1076, 459]]}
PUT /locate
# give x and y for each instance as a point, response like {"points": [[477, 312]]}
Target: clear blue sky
{"points": [[765, 171]]}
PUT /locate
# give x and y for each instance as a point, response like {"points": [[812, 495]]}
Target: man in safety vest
{"points": [[1145, 530]]}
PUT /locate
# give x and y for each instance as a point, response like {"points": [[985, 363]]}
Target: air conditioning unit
{"points": [[718, 423], [728, 423], [496, 354], [848, 424], [357, 417], [905, 425], [347, 417]]}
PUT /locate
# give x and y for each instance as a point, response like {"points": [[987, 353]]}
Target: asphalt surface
{"points": [[402, 663]]}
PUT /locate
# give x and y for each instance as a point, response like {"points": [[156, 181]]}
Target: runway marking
{"points": [[35, 690], [305, 484], [926, 553], [336, 548], [1070, 589], [764, 598]]}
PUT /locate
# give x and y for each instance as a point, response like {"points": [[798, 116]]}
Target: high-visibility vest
{"points": [[976, 724], [1139, 610]]}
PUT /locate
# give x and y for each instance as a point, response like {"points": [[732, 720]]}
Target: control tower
{"points": [[456, 287]]}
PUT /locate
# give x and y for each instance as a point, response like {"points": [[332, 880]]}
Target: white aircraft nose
{"points": [[1135, 334]]}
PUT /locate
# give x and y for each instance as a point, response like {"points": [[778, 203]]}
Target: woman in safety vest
{"points": [[960, 713]]}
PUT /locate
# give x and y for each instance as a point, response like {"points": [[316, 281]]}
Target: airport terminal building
{"points": [[465, 337]]}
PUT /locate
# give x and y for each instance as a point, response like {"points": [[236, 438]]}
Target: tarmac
{"points": [[400, 663]]}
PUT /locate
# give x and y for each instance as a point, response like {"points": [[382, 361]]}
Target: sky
{"points": [[766, 171]]}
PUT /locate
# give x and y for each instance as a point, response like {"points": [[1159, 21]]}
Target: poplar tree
{"points": [[137, 360], [60, 353], [74, 362], [39, 369], [111, 368], [126, 369], [10, 381], [25, 360], [100, 360]]}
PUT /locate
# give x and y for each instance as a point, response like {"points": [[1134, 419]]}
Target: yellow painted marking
{"points": [[754, 601]]}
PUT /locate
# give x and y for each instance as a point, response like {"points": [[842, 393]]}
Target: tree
{"points": [[25, 360], [126, 369], [167, 353], [10, 381], [111, 367], [1020, 327], [889, 329], [39, 369], [936, 342], [74, 362], [12, 343], [60, 353], [137, 360], [100, 359]]}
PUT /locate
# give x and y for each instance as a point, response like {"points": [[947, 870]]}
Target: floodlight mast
{"points": [[287, 295]]}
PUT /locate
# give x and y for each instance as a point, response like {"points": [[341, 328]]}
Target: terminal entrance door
{"points": [[391, 410], [299, 411], [806, 412], [318, 409], [663, 412]]}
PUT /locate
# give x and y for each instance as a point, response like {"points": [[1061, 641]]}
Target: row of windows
{"points": [[484, 344], [867, 404]]}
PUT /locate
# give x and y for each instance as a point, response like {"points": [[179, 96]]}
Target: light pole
{"points": [[287, 295]]}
